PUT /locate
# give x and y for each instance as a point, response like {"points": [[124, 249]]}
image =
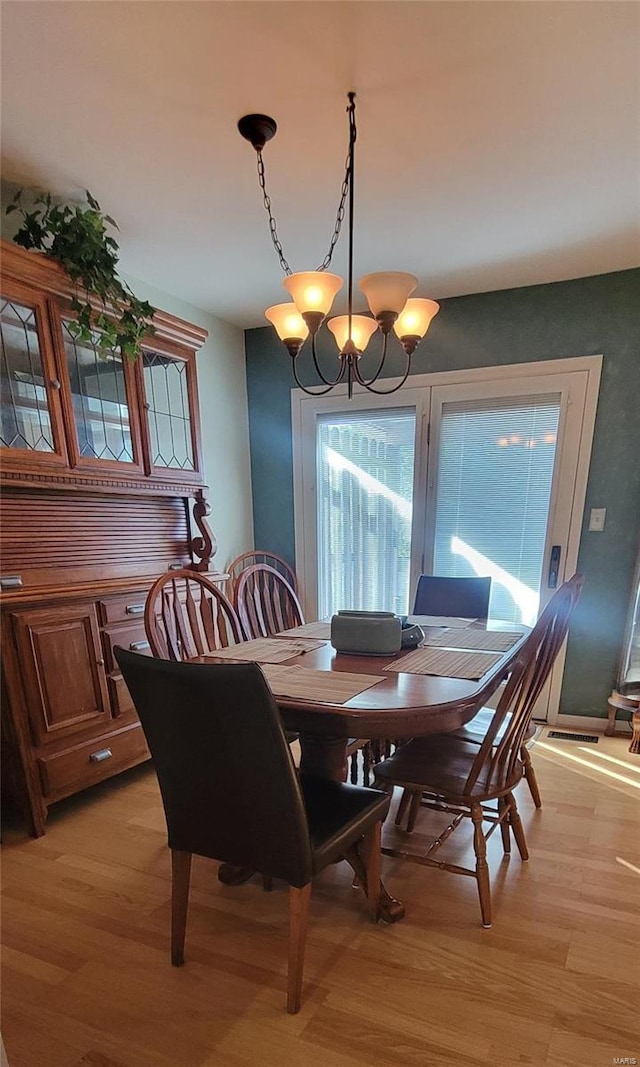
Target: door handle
{"points": [[554, 566]]}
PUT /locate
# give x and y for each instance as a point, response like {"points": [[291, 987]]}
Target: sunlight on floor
{"points": [[591, 759]]}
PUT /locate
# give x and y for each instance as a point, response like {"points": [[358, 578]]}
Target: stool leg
{"points": [[635, 726], [610, 728]]}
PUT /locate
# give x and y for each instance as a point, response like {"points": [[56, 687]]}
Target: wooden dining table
{"points": [[399, 705]]}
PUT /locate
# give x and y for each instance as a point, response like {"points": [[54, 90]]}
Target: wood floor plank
{"points": [[85, 931]]}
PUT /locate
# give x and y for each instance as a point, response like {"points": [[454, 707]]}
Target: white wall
{"points": [[222, 389]]}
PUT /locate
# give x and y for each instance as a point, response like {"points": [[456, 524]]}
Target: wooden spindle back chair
{"points": [[186, 615], [266, 602], [447, 773], [270, 559]]}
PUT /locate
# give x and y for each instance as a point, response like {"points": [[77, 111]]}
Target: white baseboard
{"points": [[592, 723]]}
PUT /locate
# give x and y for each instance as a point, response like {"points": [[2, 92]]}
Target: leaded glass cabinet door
{"points": [[102, 405], [31, 430], [171, 404]]}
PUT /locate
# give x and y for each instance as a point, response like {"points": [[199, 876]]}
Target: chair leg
{"points": [[402, 806], [267, 883], [482, 870], [413, 812], [180, 878], [298, 916], [503, 812], [530, 775], [517, 827], [353, 775], [370, 849]]}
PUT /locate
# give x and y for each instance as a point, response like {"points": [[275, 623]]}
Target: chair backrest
{"points": [[265, 601], [186, 615], [465, 598], [497, 762], [227, 778], [249, 559]]}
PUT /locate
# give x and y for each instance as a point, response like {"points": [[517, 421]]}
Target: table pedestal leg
{"points": [[324, 757]]}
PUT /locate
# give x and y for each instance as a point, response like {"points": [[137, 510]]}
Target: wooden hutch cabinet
{"points": [[101, 481]]}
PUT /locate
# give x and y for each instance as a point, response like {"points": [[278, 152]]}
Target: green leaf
{"points": [[76, 236]]}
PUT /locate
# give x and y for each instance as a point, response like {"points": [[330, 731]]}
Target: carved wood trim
{"points": [[206, 546], [37, 269], [98, 484]]}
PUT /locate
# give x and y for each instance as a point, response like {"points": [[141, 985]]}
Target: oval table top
{"points": [[402, 704]]}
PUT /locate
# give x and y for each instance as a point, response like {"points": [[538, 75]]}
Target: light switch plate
{"points": [[596, 519]]}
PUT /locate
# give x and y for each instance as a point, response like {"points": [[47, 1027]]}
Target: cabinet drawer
{"points": [[74, 768], [131, 637], [122, 608]]}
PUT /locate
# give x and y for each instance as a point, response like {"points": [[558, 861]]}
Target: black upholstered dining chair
{"points": [[464, 598], [231, 792], [449, 773]]}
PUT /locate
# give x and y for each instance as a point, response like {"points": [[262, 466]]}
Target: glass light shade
{"points": [[387, 290], [362, 328], [288, 321], [414, 319], [313, 290]]}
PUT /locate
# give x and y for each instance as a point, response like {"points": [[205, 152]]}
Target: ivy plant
{"points": [[76, 236]]}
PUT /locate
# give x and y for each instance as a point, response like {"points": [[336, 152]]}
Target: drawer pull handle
{"points": [[11, 581], [139, 646], [134, 609], [100, 755]]}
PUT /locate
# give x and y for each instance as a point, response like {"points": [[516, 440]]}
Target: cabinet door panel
{"points": [[101, 403], [64, 670], [171, 428], [31, 433]]}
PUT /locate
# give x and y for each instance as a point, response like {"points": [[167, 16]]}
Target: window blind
{"points": [[364, 465], [494, 478]]}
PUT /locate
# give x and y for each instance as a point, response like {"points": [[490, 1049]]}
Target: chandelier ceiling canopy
{"points": [[388, 293]]}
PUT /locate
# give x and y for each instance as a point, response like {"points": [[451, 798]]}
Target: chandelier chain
{"points": [[272, 222], [266, 199], [348, 171]]}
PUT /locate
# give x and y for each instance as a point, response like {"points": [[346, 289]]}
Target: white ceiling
{"points": [[498, 143]]}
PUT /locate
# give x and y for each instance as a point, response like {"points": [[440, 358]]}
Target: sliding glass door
{"points": [[462, 474]]}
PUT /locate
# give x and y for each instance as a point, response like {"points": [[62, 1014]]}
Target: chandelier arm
{"points": [[348, 178], [326, 381], [318, 392], [385, 339], [383, 392], [272, 222]]}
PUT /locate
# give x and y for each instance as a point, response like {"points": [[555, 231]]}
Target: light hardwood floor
{"points": [[555, 982]]}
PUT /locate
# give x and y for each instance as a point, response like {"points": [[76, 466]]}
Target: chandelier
{"points": [[313, 292]]}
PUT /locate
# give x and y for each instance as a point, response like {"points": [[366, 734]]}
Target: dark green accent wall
{"points": [[587, 316]]}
